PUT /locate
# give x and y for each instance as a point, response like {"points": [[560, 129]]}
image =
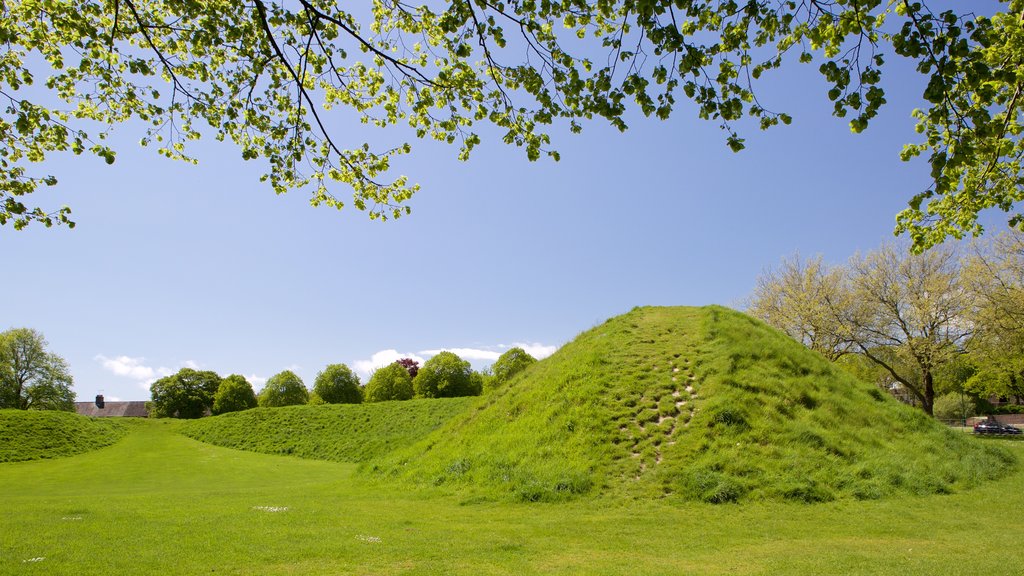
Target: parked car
{"points": [[993, 427]]}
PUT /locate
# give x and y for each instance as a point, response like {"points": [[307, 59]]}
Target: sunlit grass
{"points": [[35, 434], [341, 432], [665, 441], [160, 503], [686, 404]]}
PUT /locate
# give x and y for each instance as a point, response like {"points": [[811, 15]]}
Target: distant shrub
{"points": [[512, 362], [953, 406], [338, 384], [389, 383], [445, 376], [283, 389], [1008, 409], [477, 381], [233, 395], [410, 365]]}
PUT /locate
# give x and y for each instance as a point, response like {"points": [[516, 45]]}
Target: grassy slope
{"points": [[34, 435], [160, 503], [341, 432], [693, 404]]}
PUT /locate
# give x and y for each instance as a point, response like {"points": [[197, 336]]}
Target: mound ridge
{"points": [[336, 432], [34, 434], [695, 404]]}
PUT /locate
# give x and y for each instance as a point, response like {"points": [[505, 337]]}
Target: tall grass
{"points": [[692, 404], [34, 435], [337, 432]]}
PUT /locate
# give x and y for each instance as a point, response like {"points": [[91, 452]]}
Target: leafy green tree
{"points": [[994, 277], [261, 73], [999, 377], [907, 314], [477, 381], [445, 376], [233, 395], [799, 298], [31, 377], [337, 384], [391, 382], [187, 394], [512, 362], [283, 389]]}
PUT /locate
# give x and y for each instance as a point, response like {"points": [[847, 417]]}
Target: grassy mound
{"points": [[697, 404], [35, 435], [339, 432]]}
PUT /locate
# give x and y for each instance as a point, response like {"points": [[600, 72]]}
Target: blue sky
{"points": [[175, 265]]}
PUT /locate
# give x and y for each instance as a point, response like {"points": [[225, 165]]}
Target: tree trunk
{"points": [[929, 393]]}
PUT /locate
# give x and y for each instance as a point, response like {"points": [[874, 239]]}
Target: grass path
{"points": [[159, 503]]}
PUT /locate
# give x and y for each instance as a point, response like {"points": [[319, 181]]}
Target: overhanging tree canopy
{"points": [[263, 74]]}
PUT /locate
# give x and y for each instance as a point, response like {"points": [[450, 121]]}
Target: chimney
{"points": [[99, 400]]}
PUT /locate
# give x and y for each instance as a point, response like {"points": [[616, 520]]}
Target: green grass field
{"points": [[665, 441], [160, 503]]}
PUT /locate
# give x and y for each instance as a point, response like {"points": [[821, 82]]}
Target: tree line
{"points": [[32, 378], [945, 327], [193, 393]]}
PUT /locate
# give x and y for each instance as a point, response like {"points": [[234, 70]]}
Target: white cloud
{"points": [[537, 350], [190, 364], [132, 367], [381, 359], [466, 353], [489, 354], [256, 381]]}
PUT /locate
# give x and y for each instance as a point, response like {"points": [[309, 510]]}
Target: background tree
{"points": [[337, 384], [445, 376], [391, 382], [31, 377], [477, 381], [260, 73], [283, 389], [799, 298], [233, 395], [907, 314], [512, 362], [187, 394], [412, 366], [994, 277]]}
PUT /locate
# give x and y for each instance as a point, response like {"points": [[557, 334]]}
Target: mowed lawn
{"points": [[159, 503]]}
